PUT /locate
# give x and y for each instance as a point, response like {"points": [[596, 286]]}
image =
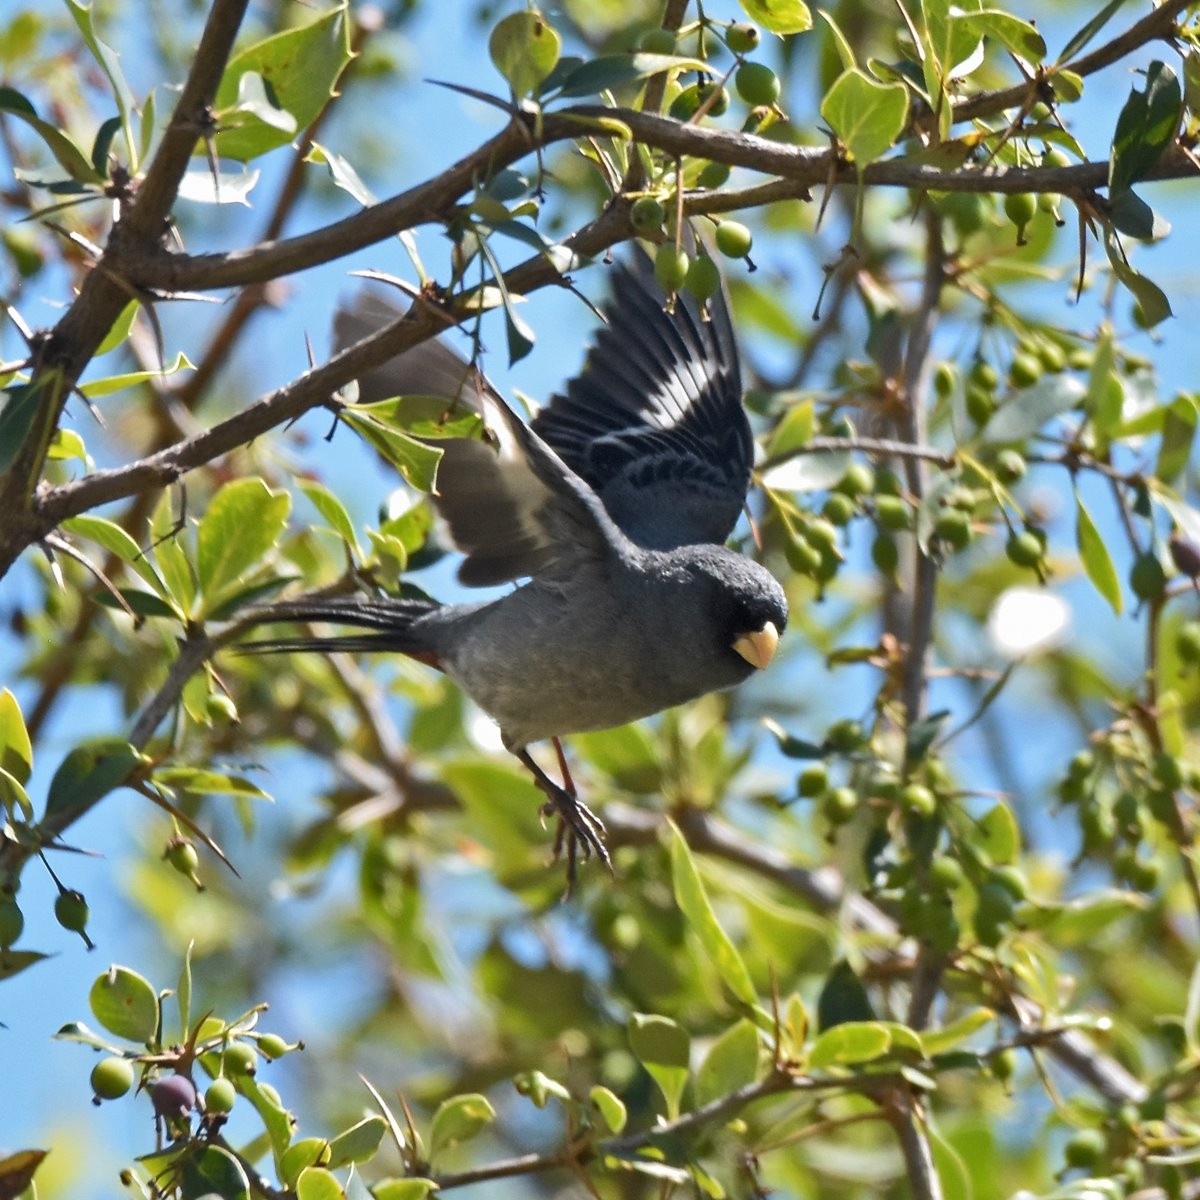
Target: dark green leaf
{"points": [[1145, 128], [212, 1171], [662, 1047], [1131, 215], [20, 407], [89, 772], [144, 604], [1178, 434], [843, 998], [66, 153], [1094, 555], [731, 1063], [103, 143], [1088, 31], [921, 735], [613, 70], [794, 747], [13, 962]]}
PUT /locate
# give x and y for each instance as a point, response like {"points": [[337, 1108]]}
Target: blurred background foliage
{"points": [[954, 822]]}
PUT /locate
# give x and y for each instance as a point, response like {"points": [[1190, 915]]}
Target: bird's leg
{"points": [[578, 826]]}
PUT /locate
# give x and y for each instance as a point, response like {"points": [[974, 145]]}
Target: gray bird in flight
{"points": [[613, 506]]}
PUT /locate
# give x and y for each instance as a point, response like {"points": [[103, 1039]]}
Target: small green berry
{"points": [[646, 214], [983, 375], [272, 1046], [822, 534], [720, 101], [657, 41], [734, 239], [1187, 643], [1147, 578], [980, 404], [1019, 208], [1024, 370], [757, 84], [1010, 466], [741, 37], [1085, 1148], [239, 1058], [71, 911], [845, 736], [885, 554], [12, 921], [953, 527], [1025, 549], [812, 780], [713, 176], [893, 513], [918, 799], [859, 480], [839, 804], [839, 509], [703, 278], [111, 1078], [219, 1096], [671, 267]]}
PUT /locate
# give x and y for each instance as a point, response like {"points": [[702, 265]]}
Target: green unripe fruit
{"points": [[272, 1046], [838, 805], [1187, 643], [220, 708], [1025, 370], [1168, 771], [1025, 549], [219, 1096], [1147, 577], [1146, 874], [1081, 765], [720, 101], [1020, 207], [983, 375], [946, 873], [239, 1058], [1055, 158], [845, 737], [918, 799], [757, 84], [111, 1078], [1010, 467], [1011, 879], [1053, 356], [713, 176], [893, 513], [646, 214], [980, 404], [1084, 1149], [1098, 826], [734, 239], [803, 557], [995, 905], [953, 527], [12, 921], [1004, 1065], [839, 509], [684, 106], [71, 911], [885, 554], [182, 855], [813, 780], [887, 482], [703, 278], [821, 533], [1127, 809], [657, 41], [858, 480], [742, 37], [671, 267], [944, 379]]}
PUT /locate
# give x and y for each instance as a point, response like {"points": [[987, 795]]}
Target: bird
{"points": [[611, 507]]}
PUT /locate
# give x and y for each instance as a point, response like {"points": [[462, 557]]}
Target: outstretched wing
{"points": [[514, 508], [655, 423]]}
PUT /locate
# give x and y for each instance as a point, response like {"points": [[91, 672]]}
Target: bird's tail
{"points": [[391, 618]]}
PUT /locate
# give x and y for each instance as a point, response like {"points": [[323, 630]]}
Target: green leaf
{"points": [[126, 1004], [866, 115], [66, 444], [1011, 32], [120, 545], [13, 796], [403, 1189], [342, 173], [17, 1171], [299, 68], [334, 512], [416, 461], [201, 782], [183, 993], [612, 71], [16, 416], [1088, 31], [13, 962], [610, 1107], [458, 1120], [731, 1063], [213, 1171], [1178, 434], [779, 16], [849, 1042], [110, 64], [794, 431], [519, 335], [358, 1143], [276, 1119], [627, 754], [662, 1047], [16, 750], [89, 772], [299, 1156], [1145, 128], [843, 998], [68, 155], [938, 1041], [694, 903], [524, 49], [998, 835], [243, 522], [1151, 299], [1094, 555], [118, 383], [1026, 411]]}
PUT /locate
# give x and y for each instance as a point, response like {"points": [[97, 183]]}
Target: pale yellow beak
{"points": [[758, 648]]}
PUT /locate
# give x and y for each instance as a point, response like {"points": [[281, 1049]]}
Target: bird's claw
{"points": [[578, 829]]}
